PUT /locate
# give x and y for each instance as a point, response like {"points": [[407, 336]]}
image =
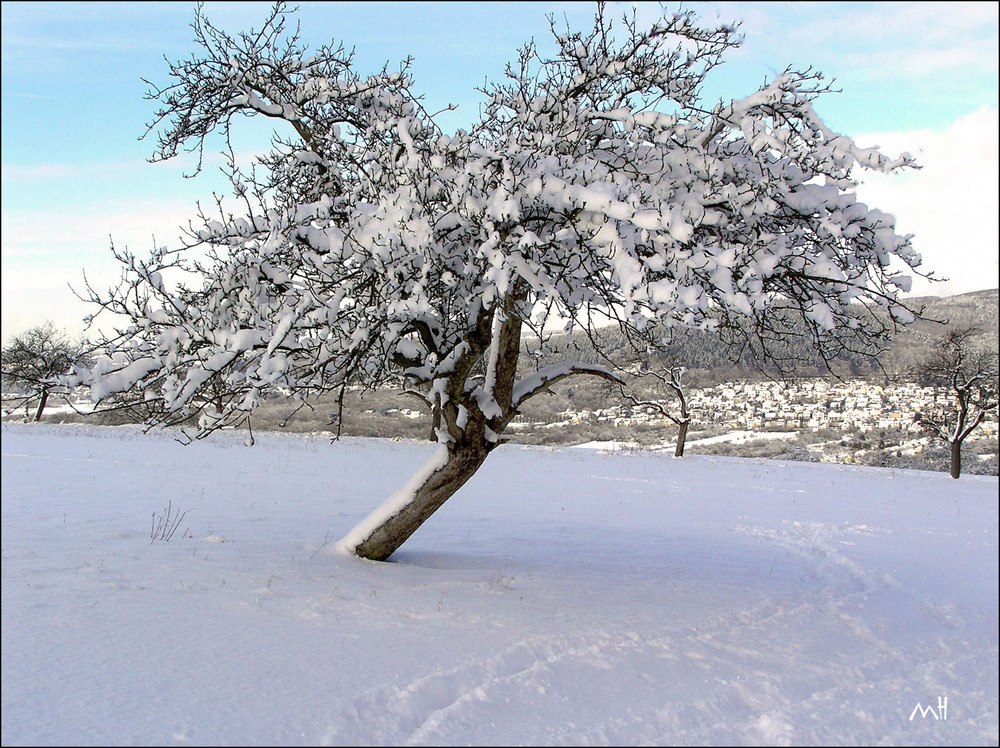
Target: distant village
{"points": [[816, 404]]}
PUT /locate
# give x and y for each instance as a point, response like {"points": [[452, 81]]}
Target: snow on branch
{"points": [[544, 378], [372, 248]]}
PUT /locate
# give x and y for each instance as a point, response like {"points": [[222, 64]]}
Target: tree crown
{"points": [[40, 355], [597, 187]]}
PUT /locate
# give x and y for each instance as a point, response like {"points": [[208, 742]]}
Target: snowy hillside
{"points": [[562, 597]]}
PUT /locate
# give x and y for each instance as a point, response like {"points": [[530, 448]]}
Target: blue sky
{"points": [[914, 76]]}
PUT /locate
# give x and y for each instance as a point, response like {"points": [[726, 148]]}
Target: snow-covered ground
{"points": [[563, 597], [732, 437], [742, 437]]}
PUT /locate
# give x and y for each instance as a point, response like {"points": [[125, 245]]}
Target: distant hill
{"points": [[710, 361], [941, 313], [978, 308]]}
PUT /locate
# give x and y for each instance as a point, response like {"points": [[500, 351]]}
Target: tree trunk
{"points": [[379, 535], [42, 399], [682, 433], [956, 459]]}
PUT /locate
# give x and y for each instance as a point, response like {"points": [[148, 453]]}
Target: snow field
{"points": [[562, 597]]}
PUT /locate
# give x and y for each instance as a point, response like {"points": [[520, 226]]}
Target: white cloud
{"points": [[108, 170], [26, 173], [894, 40], [950, 204], [920, 63], [46, 252]]}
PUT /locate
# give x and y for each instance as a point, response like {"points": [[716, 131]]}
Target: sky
{"points": [[918, 77]]}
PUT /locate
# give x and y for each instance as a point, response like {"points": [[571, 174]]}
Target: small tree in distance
{"points": [[669, 379], [35, 360], [968, 371], [596, 188]]}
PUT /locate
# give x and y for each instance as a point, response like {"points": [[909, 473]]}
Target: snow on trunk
{"points": [[384, 530]]}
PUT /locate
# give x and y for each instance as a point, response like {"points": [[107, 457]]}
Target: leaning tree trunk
{"points": [[468, 433], [398, 518], [956, 459]]}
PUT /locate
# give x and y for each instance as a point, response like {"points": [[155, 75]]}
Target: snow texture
{"points": [[563, 597]]}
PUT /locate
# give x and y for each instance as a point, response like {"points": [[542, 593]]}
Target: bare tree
{"points": [[35, 360], [597, 188], [966, 367], [669, 379]]}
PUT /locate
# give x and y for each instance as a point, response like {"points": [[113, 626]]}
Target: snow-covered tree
{"points": [[596, 188], [966, 368], [35, 360]]}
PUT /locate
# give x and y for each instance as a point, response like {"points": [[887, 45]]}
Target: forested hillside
{"points": [[709, 360]]}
